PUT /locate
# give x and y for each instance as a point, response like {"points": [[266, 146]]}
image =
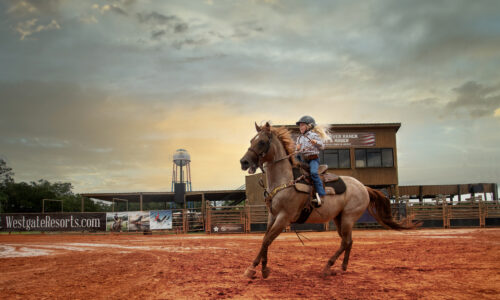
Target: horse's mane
{"points": [[285, 138]]}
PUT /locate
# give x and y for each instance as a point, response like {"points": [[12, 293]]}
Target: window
{"points": [[374, 158], [336, 158]]}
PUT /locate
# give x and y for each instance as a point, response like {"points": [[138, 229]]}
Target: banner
{"points": [[364, 139], [53, 222], [349, 139], [117, 221], [138, 221], [160, 219], [228, 228]]}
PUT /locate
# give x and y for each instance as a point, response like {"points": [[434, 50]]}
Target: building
{"points": [[367, 152]]}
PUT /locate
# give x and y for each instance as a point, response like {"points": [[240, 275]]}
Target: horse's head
{"points": [[259, 148]]}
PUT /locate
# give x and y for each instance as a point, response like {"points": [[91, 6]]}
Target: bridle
{"points": [[262, 154]]}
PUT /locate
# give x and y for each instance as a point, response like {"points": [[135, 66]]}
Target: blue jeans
{"points": [[314, 165]]}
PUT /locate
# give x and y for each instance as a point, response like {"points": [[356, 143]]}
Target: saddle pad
{"points": [[337, 185], [329, 190]]}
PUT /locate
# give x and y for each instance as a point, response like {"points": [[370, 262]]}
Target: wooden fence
{"points": [[440, 213], [447, 214]]}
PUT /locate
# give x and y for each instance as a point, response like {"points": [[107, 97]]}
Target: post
{"points": [[396, 191], [203, 211], [482, 214], [495, 192], [184, 220], [445, 215], [420, 194], [140, 201], [248, 215], [409, 216], [209, 217], [83, 201]]}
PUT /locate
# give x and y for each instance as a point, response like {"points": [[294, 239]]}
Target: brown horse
{"points": [[267, 150]]}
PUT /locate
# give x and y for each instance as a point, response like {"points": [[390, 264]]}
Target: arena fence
{"points": [[249, 218], [447, 214]]}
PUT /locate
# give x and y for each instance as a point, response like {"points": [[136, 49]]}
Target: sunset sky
{"points": [[102, 93]]}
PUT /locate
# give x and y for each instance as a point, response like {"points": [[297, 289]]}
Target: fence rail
{"points": [[451, 213], [442, 213]]}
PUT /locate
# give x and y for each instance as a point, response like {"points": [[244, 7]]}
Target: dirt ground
{"points": [[420, 264]]}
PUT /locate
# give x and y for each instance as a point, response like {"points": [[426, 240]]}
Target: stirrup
{"points": [[317, 203]]}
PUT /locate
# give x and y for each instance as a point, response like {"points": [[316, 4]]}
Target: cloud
{"points": [[88, 19], [161, 25], [23, 8], [155, 35], [157, 18], [29, 27], [110, 7], [340, 61], [476, 99], [61, 131]]}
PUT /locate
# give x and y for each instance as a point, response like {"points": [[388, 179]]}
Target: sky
{"points": [[102, 93]]}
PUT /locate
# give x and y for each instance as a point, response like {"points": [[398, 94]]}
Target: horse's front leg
{"points": [[272, 233], [250, 271]]}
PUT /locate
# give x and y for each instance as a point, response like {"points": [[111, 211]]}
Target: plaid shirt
{"points": [[306, 147]]}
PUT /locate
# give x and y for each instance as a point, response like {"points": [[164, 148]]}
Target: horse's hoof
{"points": [[250, 272], [265, 272], [344, 267], [327, 273]]}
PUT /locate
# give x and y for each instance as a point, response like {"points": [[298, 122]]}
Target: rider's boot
{"points": [[318, 201]]}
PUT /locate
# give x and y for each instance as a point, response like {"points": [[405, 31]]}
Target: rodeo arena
{"points": [[265, 240]]}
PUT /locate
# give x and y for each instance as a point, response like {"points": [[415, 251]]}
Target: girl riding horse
{"points": [[309, 143]]}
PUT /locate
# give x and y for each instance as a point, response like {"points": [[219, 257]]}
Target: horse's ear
{"points": [[257, 127], [267, 127]]}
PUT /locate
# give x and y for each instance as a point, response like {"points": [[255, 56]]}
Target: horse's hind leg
{"points": [[338, 224], [347, 237], [272, 233], [327, 269]]}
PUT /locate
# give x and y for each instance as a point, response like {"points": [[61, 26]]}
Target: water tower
{"points": [[181, 174]]}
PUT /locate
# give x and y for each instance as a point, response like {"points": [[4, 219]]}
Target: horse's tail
{"points": [[380, 209]]}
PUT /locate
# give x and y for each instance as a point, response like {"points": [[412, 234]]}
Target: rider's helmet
{"points": [[308, 120]]}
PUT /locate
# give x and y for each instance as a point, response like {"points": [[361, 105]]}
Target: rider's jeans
{"points": [[314, 164]]}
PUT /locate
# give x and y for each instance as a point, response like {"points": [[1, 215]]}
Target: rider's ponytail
{"points": [[324, 132]]}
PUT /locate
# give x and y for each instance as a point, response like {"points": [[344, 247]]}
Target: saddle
{"points": [[333, 184]]}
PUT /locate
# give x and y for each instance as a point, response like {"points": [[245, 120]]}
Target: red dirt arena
{"points": [[419, 264]]}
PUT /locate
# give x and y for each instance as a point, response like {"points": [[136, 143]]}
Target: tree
{"points": [[27, 197], [6, 174]]}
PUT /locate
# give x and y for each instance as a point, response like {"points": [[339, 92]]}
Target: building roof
{"points": [[169, 196], [356, 126]]}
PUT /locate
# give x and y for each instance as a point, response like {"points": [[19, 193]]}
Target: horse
{"points": [[272, 150], [117, 225]]}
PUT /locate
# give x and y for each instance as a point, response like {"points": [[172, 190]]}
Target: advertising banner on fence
{"points": [[117, 221], [227, 228], [138, 221], [160, 219], [53, 222]]}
